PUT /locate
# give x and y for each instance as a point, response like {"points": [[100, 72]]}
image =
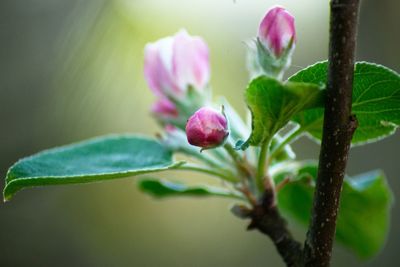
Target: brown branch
{"points": [[266, 218], [339, 126]]}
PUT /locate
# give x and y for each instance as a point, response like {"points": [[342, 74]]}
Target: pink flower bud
{"points": [[172, 64], [207, 128], [277, 31], [164, 109]]}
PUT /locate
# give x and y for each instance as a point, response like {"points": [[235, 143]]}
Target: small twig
{"points": [[266, 218], [339, 126], [247, 193]]}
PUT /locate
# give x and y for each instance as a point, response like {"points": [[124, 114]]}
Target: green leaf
{"points": [[273, 104], [93, 160], [376, 101], [364, 215], [162, 188]]}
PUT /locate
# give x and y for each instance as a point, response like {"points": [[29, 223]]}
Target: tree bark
{"points": [[339, 126]]}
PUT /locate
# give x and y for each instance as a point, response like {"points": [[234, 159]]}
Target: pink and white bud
{"points": [[164, 109], [277, 31], [207, 128], [174, 63]]}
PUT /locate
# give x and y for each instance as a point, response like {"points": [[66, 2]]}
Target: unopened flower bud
{"points": [[274, 45], [207, 128], [164, 109], [174, 63], [277, 32]]}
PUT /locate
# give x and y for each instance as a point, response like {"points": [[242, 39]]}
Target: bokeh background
{"points": [[71, 70]]}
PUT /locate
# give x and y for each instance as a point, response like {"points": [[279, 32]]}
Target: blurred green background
{"points": [[71, 70]]}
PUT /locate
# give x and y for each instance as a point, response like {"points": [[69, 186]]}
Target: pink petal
{"points": [[158, 66], [190, 61], [164, 109], [277, 30]]}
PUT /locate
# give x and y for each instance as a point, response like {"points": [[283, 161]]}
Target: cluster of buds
{"points": [[274, 45], [177, 70]]}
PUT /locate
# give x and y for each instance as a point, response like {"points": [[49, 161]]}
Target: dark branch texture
{"points": [[338, 129]]}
